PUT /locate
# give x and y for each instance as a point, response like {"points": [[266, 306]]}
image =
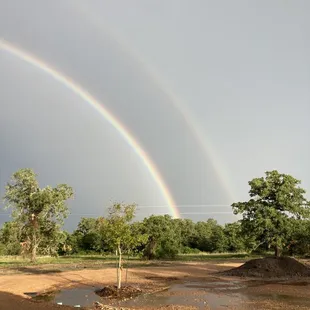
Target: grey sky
{"points": [[242, 68]]}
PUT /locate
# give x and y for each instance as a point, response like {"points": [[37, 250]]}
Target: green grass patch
{"points": [[213, 256], [90, 261]]}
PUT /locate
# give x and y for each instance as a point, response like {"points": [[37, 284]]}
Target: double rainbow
{"points": [[99, 107]]}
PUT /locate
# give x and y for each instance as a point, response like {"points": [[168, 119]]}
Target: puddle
{"points": [[213, 295], [83, 297], [80, 296], [210, 300], [202, 295]]}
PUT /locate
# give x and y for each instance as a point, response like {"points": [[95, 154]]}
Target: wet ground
{"points": [[219, 295], [191, 285], [232, 294]]}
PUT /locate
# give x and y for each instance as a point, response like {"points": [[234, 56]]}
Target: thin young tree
{"points": [[118, 233]]}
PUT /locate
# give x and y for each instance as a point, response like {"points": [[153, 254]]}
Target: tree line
{"points": [[275, 218]]}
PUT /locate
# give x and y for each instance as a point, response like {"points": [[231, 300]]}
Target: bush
{"points": [[167, 249], [2, 249], [188, 250]]}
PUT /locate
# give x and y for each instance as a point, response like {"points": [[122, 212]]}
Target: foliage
{"points": [[164, 237], [276, 216], [38, 212], [298, 243], [235, 241], [269, 216], [87, 236], [10, 235], [119, 234]]}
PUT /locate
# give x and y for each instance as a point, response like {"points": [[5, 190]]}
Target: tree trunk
{"points": [[34, 247], [119, 269], [277, 251], [150, 249]]}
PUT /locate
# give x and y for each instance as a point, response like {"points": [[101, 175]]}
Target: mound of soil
{"points": [[271, 267], [111, 291]]}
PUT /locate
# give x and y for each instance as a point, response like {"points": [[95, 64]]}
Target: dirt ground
{"points": [[233, 293]]}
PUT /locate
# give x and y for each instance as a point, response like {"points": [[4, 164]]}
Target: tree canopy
{"points": [[276, 201], [39, 212], [276, 217]]}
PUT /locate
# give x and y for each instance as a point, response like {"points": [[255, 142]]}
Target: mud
{"points": [[219, 295], [191, 286]]}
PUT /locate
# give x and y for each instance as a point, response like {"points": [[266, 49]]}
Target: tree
{"points": [[88, 234], [10, 236], [39, 212], [187, 232], [209, 237], [202, 236], [276, 201], [298, 242], [235, 240], [218, 240], [118, 233], [164, 237]]}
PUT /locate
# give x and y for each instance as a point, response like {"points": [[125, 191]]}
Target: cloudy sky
{"points": [[215, 92]]}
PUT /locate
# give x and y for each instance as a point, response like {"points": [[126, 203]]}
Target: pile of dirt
{"points": [[271, 267], [111, 291]]}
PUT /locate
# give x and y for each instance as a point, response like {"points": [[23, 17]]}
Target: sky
{"points": [[215, 92]]}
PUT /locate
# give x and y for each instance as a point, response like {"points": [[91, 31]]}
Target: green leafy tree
{"points": [[202, 236], [268, 217], [187, 232], [88, 235], [39, 212], [118, 233], [68, 244], [10, 237], [209, 237], [298, 241], [164, 237], [234, 237], [218, 240]]}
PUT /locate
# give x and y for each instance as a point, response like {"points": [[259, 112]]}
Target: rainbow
{"points": [[202, 140], [95, 104]]}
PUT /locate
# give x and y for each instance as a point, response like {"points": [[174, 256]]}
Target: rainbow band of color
{"points": [[189, 118], [78, 90]]}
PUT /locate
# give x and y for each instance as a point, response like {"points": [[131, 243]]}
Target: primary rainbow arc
{"points": [[94, 103]]}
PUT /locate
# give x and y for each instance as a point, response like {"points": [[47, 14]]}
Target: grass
{"points": [[213, 256], [18, 261]]}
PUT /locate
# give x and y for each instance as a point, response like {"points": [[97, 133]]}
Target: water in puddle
{"points": [[80, 296], [189, 294], [214, 295], [77, 296]]}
